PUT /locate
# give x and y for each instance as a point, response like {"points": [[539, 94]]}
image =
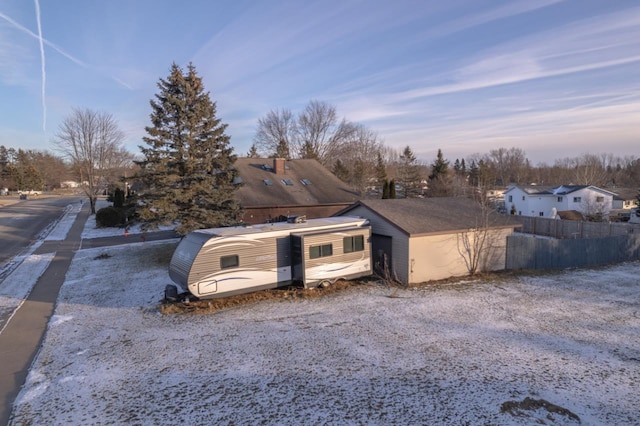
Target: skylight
{"points": [[305, 181], [287, 182], [267, 182]]}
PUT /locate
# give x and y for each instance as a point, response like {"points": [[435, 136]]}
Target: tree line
{"points": [[186, 165]]}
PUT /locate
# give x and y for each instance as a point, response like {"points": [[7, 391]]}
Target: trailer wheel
{"points": [[170, 293], [324, 284]]}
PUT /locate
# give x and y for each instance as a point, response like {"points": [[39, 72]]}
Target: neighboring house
{"points": [[421, 239], [274, 189], [625, 198], [546, 201]]}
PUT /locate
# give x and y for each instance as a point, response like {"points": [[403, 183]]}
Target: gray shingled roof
{"points": [[324, 188], [416, 216]]}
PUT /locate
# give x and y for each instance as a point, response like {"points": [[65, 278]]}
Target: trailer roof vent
{"points": [[297, 219]]}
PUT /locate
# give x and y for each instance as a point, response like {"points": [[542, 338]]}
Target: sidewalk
{"points": [[21, 338]]}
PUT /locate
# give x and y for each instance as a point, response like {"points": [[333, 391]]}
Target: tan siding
{"points": [[440, 256], [399, 241]]}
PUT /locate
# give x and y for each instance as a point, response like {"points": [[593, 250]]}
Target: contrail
{"points": [[44, 74], [59, 50]]}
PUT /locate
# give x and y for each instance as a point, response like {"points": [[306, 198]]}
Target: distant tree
{"points": [[408, 172], [93, 143], [392, 189], [381, 169], [275, 134], [320, 133], [385, 189], [188, 160], [253, 152], [474, 173], [440, 184], [341, 171]]}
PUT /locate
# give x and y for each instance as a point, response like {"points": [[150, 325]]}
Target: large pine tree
{"points": [[188, 160]]}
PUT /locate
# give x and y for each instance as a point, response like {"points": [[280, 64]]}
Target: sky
{"points": [[555, 78]]}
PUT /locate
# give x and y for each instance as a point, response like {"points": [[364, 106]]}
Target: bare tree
{"points": [[275, 134], [591, 169], [359, 154], [320, 133], [93, 143], [479, 246]]}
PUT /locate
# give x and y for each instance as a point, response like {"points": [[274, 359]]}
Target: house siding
{"points": [[423, 258], [437, 257], [399, 241]]}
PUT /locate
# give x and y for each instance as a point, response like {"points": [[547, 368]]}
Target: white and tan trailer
{"points": [[219, 262]]}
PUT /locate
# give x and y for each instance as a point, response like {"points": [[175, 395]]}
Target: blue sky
{"points": [[554, 78]]}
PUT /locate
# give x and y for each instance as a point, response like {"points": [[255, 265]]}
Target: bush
{"points": [[110, 217], [118, 198]]}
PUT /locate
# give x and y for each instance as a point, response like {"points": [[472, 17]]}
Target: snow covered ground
{"points": [[449, 354]]}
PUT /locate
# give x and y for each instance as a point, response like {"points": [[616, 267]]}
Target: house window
{"points": [[577, 199], [351, 244], [523, 198], [510, 198], [227, 262], [324, 250], [599, 199], [559, 199], [541, 214]]}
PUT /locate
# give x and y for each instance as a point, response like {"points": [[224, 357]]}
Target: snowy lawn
{"points": [[450, 354]]}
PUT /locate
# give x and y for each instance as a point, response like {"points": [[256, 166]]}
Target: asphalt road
{"points": [[23, 222]]}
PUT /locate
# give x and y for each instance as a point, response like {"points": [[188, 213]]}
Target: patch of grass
{"points": [[519, 408], [284, 294]]}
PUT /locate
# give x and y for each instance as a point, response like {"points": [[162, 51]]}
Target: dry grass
{"points": [[285, 294]]}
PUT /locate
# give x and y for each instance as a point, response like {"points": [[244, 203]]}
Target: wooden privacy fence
{"points": [[531, 252], [572, 229]]}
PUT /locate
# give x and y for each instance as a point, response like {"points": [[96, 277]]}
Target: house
{"points": [[421, 239], [273, 189], [625, 198], [546, 201]]}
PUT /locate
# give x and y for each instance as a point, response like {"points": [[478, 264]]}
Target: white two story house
{"points": [[544, 201]]}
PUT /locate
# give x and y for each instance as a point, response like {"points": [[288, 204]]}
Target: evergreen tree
{"points": [[439, 179], [282, 150], [408, 172], [341, 171], [392, 189], [385, 189], [439, 167], [188, 161], [381, 170], [474, 174], [253, 152]]}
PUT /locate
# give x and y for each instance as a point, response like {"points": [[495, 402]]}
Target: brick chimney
{"points": [[278, 165]]}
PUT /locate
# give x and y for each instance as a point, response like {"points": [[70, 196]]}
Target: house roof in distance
{"points": [[555, 190], [301, 182], [438, 215]]}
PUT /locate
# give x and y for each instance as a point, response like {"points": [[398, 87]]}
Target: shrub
{"points": [[118, 198], [110, 217]]}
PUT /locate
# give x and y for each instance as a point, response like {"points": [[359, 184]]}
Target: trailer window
{"points": [[351, 244], [229, 262], [320, 251]]}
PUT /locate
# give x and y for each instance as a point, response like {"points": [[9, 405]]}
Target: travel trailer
{"points": [[220, 262]]}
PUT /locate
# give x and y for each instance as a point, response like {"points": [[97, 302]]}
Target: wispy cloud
{"points": [[44, 41], [588, 45]]}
